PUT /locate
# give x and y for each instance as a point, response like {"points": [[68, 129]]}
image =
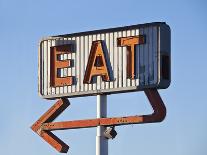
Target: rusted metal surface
{"points": [[44, 125], [157, 116], [57, 64], [130, 43], [97, 65], [130, 71], [49, 116]]}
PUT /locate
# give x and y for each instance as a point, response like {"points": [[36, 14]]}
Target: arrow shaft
{"points": [[70, 124], [88, 123]]}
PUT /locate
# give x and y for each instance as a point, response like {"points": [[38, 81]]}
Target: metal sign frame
{"points": [[152, 69]]}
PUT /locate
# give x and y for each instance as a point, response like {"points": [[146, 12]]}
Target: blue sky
{"points": [[23, 23]]}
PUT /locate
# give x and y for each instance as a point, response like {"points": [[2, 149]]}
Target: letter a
{"points": [[97, 65]]}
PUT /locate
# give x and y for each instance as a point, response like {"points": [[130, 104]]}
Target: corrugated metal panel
{"points": [[147, 62]]}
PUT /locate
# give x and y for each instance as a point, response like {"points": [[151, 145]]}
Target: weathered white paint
{"points": [[148, 74]]}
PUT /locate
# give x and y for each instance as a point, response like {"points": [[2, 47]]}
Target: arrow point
{"points": [[49, 116]]}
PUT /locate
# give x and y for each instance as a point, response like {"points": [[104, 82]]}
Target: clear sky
{"points": [[24, 22]]}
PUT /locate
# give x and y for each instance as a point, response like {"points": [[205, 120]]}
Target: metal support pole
{"points": [[101, 141]]}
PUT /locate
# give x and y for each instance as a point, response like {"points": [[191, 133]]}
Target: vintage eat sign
{"points": [[122, 59]]}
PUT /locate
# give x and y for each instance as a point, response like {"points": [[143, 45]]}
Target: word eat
{"points": [[98, 62]]}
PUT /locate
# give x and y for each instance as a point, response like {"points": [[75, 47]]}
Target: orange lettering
{"points": [[130, 43], [97, 65], [57, 64]]}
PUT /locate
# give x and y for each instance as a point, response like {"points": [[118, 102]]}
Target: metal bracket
{"points": [[44, 125]]}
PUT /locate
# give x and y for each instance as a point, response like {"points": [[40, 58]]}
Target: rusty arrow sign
{"points": [[44, 125], [49, 116]]}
